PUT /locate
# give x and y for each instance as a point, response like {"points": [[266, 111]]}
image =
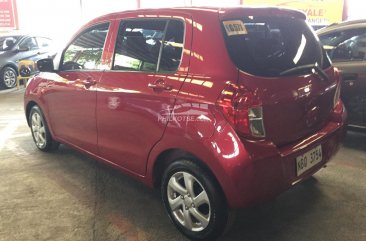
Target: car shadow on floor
{"points": [[124, 209], [278, 219]]}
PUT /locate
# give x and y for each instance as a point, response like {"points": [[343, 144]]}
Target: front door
{"points": [[135, 98], [354, 89], [73, 101]]}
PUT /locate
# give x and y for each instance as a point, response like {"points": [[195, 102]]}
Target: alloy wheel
{"points": [[39, 130], [188, 201], [10, 78]]}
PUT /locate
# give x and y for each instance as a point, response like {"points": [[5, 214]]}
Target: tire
{"points": [[40, 132], [8, 77], [202, 218]]}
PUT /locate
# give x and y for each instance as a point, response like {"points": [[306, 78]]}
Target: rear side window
{"points": [[43, 42], [347, 45], [85, 52], [138, 45], [149, 45], [173, 47], [269, 45]]}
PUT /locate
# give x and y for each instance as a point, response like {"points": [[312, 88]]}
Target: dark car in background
{"points": [[346, 46], [19, 47]]}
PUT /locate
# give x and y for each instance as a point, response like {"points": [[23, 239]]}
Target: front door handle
{"points": [[160, 86]]}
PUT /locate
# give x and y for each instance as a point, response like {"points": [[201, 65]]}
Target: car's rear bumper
{"points": [[268, 177], [262, 170]]}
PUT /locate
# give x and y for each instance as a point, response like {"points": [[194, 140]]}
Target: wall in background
{"points": [[59, 19]]}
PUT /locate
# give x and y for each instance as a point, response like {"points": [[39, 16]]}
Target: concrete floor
{"points": [[67, 196]]}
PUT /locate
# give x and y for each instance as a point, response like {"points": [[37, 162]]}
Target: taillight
{"points": [[242, 110], [256, 121], [337, 93]]}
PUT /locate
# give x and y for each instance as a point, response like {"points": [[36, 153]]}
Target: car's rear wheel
{"points": [[8, 77], [194, 201], [40, 132]]}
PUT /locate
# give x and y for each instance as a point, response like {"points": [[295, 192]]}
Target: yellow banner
{"points": [[318, 12]]}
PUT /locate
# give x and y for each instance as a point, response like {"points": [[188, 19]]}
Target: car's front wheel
{"points": [[194, 201], [8, 77], [40, 132]]}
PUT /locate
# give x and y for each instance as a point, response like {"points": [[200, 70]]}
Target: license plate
{"points": [[308, 160]]}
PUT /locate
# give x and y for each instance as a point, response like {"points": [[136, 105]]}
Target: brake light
{"points": [[337, 93], [242, 110]]}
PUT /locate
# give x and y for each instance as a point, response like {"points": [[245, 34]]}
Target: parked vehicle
{"points": [[346, 46], [19, 47], [219, 108]]}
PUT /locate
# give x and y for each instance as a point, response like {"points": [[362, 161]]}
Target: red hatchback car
{"points": [[220, 108]]}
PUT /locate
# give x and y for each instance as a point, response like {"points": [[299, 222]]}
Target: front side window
{"points": [[85, 52], [7, 42], [270, 45], [149, 45], [348, 45]]}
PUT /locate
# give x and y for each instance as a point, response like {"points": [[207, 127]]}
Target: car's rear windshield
{"points": [[7, 42], [269, 45]]}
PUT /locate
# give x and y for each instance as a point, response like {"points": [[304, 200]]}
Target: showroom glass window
{"points": [[85, 52], [139, 45], [347, 45]]}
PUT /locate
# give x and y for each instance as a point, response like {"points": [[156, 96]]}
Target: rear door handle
{"points": [[160, 86], [89, 82]]}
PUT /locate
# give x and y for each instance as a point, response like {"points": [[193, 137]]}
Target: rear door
{"points": [[45, 48], [135, 97], [72, 91], [347, 49], [354, 90]]}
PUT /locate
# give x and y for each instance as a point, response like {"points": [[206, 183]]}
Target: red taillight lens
{"points": [[242, 110]]}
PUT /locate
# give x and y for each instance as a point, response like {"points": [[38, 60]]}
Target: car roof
{"points": [[197, 9], [354, 24], [21, 36], [12, 35]]}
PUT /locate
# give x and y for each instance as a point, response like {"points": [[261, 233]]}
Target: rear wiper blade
{"points": [[311, 68]]}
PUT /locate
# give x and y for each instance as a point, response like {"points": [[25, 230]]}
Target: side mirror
{"points": [[45, 65], [22, 49]]}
